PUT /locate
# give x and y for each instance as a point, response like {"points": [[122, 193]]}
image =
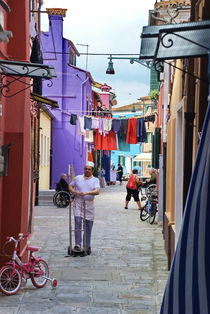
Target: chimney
{"points": [[56, 16]]}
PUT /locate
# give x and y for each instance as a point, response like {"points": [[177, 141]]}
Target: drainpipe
{"points": [[165, 114], [83, 110]]}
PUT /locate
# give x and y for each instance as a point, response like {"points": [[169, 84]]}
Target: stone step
{"points": [[46, 192], [46, 203], [46, 197]]}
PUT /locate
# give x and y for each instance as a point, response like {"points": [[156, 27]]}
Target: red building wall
{"points": [[16, 129]]}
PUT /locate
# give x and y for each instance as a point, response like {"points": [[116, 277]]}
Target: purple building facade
{"points": [[73, 90]]}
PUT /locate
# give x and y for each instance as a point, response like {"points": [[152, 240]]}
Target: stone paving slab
{"points": [[126, 272]]}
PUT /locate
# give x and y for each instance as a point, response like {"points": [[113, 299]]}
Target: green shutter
{"points": [[156, 148]]}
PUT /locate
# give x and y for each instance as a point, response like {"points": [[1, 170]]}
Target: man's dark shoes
{"points": [[88, 251], [126, 207], [77, 248]]}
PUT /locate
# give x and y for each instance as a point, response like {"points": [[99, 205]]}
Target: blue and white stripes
{"points": [[188, 287]]}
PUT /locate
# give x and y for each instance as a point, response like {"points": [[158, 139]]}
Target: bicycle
{"points": [[149, 210], [15, 271]]}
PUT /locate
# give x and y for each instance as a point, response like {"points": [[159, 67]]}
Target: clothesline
{"points": [[69, 112]]}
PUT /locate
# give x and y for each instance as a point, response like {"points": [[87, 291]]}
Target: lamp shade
{"points": [[110, 69], [133, 109]]}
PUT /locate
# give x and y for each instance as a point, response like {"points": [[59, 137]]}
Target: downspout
{"points": [[165, 114], [83, 110]]}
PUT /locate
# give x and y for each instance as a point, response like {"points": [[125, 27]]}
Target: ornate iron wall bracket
{"points": [[163, 34], [5, 84], [149, 64], [16, 71]]}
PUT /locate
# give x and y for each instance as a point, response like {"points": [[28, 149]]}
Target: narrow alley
{"points": [[126, 272]]}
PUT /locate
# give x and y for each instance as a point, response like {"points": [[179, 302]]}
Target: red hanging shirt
{"points": [[131, 137]]}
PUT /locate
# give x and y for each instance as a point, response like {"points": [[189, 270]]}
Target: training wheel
{"points": [[54, 283]]}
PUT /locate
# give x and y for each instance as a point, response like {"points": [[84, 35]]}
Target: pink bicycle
{"points": [[14, 272]]}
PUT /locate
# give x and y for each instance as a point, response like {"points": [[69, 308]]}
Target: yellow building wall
{"points": [[45, 144], [176, 97]]}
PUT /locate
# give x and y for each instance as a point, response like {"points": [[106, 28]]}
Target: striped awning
{"points": [[188, 287]]}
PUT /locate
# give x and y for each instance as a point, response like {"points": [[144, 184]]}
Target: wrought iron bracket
{"points": [[149, 64], [7, 81], [163, 33]]}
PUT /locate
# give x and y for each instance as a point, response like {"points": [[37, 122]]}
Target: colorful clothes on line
{"points": [[115, 125], [73, 119], [123, 128], [87, 123], [131, 137], [95, 123], [107, 124], [81, 130], [101, 126], [105, 141], [89, 136], [141, 132]]}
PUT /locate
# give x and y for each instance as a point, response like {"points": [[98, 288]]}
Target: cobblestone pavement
{"points": [[126, 272]]}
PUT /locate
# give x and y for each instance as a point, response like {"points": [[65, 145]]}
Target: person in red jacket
{"points": [[132, 189]]}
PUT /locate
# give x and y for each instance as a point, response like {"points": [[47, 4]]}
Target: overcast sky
{"points": [[108, 27]]}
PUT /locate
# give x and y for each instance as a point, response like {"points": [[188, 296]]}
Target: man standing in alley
{"points": [[84, 187], [120, 173]]}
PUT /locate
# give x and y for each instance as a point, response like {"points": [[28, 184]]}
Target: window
{"points": [[121, 160]]}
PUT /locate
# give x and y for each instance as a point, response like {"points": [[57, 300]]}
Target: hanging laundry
{"points": [[95, 123], [107, 125], [131, 137], [105, 142], [73, 119], [89, 136], [123, 146], [123, 128], [141, 132], [90, 156], [87, 123], [101, 125], [81, 130], [116, 125]]}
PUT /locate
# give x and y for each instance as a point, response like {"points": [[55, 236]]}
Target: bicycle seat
{"points": [[32, 248]]}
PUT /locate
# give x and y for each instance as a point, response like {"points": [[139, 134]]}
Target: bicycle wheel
{"points": [[144, 213], [10, 280], [152, 214], [61, 199], [40, 274]]}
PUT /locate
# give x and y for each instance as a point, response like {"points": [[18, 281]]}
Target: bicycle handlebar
{"points": [[20, 237]]}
